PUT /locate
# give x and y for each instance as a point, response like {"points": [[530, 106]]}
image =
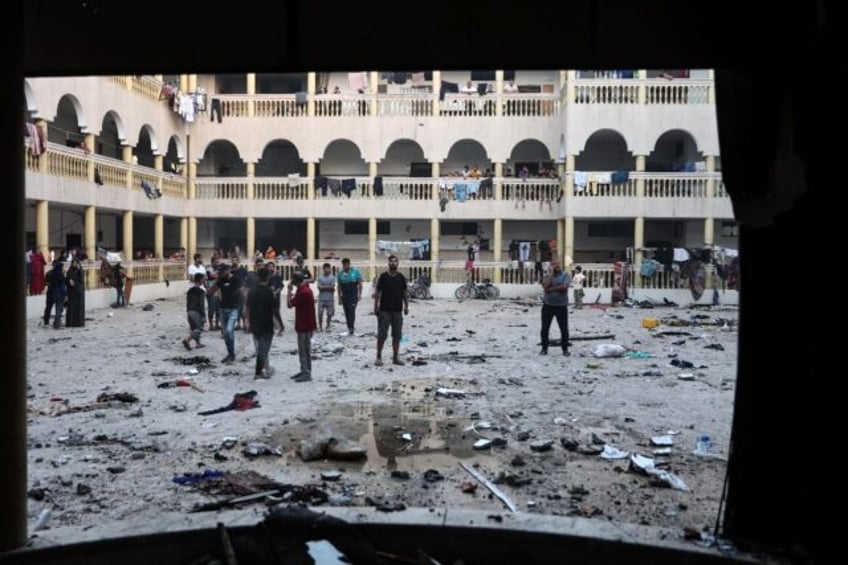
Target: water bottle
{"points": [[704, 445]]}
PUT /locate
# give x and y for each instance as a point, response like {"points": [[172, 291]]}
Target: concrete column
{"points": [[642, 74], [640, 182], [372, 247], [568, 236], [310, 238], [159, 236], [250, 245], [127, 228], [184, 236], [191, 170], [498, 182], [711, 88], [570, 77], [569, 176], [560, 239], [499, 79], [372, 172], [373, 80], [638, 244], [435, 228], [42, 233], [158, 162], [127, 157], [251, 172], [497, 241], [310, 181], [711, 183], [192, 237], [437, 86], [184, 83], [89, 145], [43, 159], [90, 231], [310, 90], [192, 83], [251, 90], [434, 170], [159, 243]]}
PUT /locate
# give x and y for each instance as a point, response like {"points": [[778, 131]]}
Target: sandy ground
{"points": [[95, 462]]}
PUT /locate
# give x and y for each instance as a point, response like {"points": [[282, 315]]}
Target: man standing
{"points": [[196, 267], [350, 293], [390, 298], [326, 297], [259, 310], [229, 288], [304, 270], [195, 311], [213, 301], [300, 298], [56, 294], [275, 282], [555, 305]]}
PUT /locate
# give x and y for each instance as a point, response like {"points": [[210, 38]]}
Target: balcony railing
{"points": [[652, 91]]}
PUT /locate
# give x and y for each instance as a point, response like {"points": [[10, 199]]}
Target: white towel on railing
{"points": [[580, 179], [603, 178]]}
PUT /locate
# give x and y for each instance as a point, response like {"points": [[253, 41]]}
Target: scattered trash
{"points": [[645, 466], [492, 488], [703, 445], [331, 475], [43, 518], [662, 441], [241, 401], [650, 323], [450, 392], [542, 445], [609, 350], [255, 449], [482, 444], [189, 478], [686, 376], [610, 452], [662, 451]]}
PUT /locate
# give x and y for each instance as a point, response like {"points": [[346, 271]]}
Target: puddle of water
{"points": [[438, 436]]}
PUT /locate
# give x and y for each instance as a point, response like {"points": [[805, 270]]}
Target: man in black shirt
{"points": [[259, 311], [390, 299], [196, 311], [229, 288]]}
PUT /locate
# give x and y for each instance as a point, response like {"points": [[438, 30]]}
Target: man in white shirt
{"points": [[196, 267], [510, 87], [577, 284]]}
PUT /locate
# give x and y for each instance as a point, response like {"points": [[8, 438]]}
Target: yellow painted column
{"points": [[498, 181], [498, 246], [437, 86], [560, 239], [42, 232], [90, 243], [184, 83], [372, 247], [158, 162], [43, 158], [372, 172], [191, 169], [159, 236], [159, 243], [192, 83], [127, 227], [434, 170], [570, 78], [310, 238], [127, 157], [711, 182], [638, 245], [89, 144], [435, 227], [251, 90], [251, 172], [642, 75], [184, 235], [569, 176], [499, 94], [373, 80], [250, 244], [192, 237], [640, 182], [568, 247], [310, 181], [310, 91]]}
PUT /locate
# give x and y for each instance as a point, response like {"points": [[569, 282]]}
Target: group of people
{"points": [[65, 294], [224, 297]]}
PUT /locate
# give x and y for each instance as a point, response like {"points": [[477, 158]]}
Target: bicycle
{"points": [[470, 289]]}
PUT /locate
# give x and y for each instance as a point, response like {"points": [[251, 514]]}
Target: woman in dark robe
{"points": [[75, 280], [37, 265]]}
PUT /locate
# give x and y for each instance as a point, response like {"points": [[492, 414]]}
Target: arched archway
{"points": [[343, 157], [174, 155], [404, 158], [68, 125], [111, 137], [221, 159], [675, 150], [530, 153], [605, 150], [280, 158], [465, 152], [146, 148]]}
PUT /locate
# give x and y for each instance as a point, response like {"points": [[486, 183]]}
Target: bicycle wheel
{"points": [[419, 292], [492, 292], [462, 292]]}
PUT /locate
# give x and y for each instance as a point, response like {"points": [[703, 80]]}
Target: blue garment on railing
{"points": [[447, 87], [620, 177], [460, 192], [150, 191], [378, 186], [348, 186]]}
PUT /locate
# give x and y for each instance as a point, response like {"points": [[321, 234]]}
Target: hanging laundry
{"points": [[348, 186], [357, 81], [620, 177], [378, 186]]}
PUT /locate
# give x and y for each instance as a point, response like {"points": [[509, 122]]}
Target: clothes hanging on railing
{"points": [[378, 186], [348, 186]]}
